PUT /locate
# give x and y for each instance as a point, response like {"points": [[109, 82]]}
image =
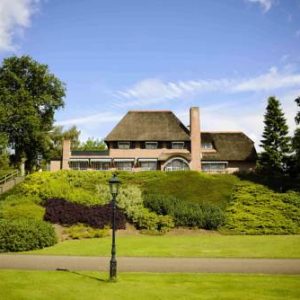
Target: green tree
{"points": [[296, 141], [29, 97], [57, 135], [276, 142], [4, 159], [92, 144]]}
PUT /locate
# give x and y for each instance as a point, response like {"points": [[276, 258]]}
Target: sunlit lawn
{"points": [[15, 285], [201, 245]]}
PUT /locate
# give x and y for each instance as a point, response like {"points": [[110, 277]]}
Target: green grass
{"points": [[205, 245], [15, 285]]}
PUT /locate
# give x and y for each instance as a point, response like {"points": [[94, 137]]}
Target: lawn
{"points": [[190, 245], [91, 285]]}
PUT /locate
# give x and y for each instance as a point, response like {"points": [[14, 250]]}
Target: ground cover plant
{"points": [[255, 209], [135, 286]]}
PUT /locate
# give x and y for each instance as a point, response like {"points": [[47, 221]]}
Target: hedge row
{"points": [[66, 213], [204, 215]]}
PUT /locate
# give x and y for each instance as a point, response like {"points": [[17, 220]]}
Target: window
{"points": [[98, 165], [123, 145], [148, 165], [177, 145], [207, 145], [124, 165], [214, 167], [177, 164], [79, 165], [151, 145]]}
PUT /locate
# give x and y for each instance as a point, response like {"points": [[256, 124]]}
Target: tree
{"points": [[92, 144], [29, 97], [57, 135], [276, 142], [296, 141], [4, 159]]}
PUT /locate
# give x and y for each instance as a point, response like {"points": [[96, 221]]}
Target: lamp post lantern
{"points": [[114, 184]]}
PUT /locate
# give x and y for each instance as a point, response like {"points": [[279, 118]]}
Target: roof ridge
{"points": [[217, 131], [149, 110]]}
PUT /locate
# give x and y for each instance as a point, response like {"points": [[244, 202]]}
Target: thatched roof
{"points": [[89, 153], [229, 146], [149, 126]]}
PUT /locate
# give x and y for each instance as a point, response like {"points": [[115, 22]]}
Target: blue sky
{"points": [[226, 57]]}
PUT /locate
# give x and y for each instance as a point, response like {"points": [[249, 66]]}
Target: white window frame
{"points": [[170, 168], [147, 144], [212, 166], [207, 145], [122, 144], [178, 143], [118, 165], [147, 162]]}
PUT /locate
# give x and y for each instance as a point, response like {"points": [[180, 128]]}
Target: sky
{"points": [[225, 56]]}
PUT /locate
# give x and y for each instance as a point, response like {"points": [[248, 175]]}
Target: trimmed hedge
{"points": [[66, 213], [203, 215], [25, 234]]}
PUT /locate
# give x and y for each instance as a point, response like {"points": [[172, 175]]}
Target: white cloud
{"points": [[15, 15], [265, 4], [268, 82], [152, 91], [99, 118]]}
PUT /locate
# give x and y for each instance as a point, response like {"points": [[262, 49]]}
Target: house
{"points": [[158, 140]]}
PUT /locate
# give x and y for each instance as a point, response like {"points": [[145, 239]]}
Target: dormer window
{"points": [[177, 145], [123, 145], [151, 145], [207, 145]]}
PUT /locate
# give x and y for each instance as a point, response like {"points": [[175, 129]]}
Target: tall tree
{"points": [[29, 97], [57, 135], [92, 144], [276, 142], [296, 140]]}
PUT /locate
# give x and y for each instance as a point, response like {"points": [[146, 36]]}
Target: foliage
{"points": [[81, 231], [203, 215], [254, 209], [275, 143], [296, 144], [47, 185], [57, 135], [25, 234], [63, 212], [29, 97], [4, 159], [92, 144]]}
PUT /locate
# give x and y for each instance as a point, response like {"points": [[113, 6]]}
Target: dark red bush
{"points": [[61, 211]]}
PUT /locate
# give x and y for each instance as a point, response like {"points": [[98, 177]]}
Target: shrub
{"points": [[66, 213], [25, 234], [131, 202], [254, 209], [187, 214], [81, 231]]}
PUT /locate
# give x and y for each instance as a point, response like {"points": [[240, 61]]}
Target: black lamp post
{"points": [[114, 184]]}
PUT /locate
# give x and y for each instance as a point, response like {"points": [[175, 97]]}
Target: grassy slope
{"points": [[210, 245], [15, 285]]}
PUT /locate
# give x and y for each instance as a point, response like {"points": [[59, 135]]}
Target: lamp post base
{"points": [[113, 270]]}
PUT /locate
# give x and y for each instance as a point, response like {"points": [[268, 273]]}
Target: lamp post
{"points": [[114, 184]]}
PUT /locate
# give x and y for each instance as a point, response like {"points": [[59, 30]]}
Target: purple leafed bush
{"points": [[61, 211]]}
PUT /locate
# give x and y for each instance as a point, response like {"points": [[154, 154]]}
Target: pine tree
{"points": [[276, 142]]}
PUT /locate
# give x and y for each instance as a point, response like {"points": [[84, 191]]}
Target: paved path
{"points": [[147, 264]]}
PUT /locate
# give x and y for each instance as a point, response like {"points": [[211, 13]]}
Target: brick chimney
{"points": [[66, 153], [195, 136]]}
